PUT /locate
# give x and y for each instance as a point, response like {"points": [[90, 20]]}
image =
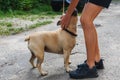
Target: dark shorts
{"points": [[103, 3]]}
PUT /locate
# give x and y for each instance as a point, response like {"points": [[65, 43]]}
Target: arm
{"points": [[72, 6], [66, 18]]}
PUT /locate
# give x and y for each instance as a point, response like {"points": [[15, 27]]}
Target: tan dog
{"points": [[59, 41]]}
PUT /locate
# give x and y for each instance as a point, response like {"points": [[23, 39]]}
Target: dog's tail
{"points": [[27, 38]]}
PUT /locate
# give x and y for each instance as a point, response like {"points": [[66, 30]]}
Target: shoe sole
{"points": [[83, 77]]}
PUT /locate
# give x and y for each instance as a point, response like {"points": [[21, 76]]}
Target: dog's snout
{"points": [[75, 12]]}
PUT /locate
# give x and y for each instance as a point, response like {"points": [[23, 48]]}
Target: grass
{"points": [[39, 24], [8, 24], [42, 10], [11, 30], [35, 15]]}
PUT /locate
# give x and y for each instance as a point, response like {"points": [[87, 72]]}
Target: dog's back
{"points": [[49, 40]]}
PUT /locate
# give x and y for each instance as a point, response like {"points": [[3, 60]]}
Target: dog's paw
{"points": [[33, 68], [68, 70], [44, 73], [69, 62]]}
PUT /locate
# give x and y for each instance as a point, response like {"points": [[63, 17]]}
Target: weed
{"points": [[39, 24], [8, 24], [11, 30], [34, 15]]}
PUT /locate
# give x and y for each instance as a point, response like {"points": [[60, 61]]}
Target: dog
{"points": [[59, 41]]}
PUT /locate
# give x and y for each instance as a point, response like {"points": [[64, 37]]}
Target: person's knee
{"points": [[86, 22]]}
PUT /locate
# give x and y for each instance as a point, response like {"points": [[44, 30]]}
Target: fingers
{"points": [[65, 21], [64, 25]]}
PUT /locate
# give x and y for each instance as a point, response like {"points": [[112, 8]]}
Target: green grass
{"points": [[8, 24], [11, 31], [37, 14], [42, 10], [39, 24]]}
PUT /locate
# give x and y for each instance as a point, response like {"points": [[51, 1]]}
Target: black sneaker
{"points": [[99, 65], [84, 72]]}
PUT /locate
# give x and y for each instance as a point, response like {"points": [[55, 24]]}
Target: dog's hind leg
{"points": [[40, 58], [32, 59]]}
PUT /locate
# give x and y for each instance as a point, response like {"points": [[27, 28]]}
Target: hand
{"points": [[65, 21]]}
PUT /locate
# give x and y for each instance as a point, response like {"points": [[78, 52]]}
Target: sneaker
{"points": [[84, 72], [99, 65]]}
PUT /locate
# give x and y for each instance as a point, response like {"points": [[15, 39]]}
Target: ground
{"points": [[14, 54]]}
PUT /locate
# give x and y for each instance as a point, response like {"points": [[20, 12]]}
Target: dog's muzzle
{"points": [[75, 12]]}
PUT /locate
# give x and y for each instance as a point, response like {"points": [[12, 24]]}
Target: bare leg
{"points": [[97, 51], [89, 13]]}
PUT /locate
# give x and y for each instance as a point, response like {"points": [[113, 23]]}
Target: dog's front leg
{"points": [[66, 60]]}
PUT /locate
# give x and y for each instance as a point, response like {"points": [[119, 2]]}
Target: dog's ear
{"points": [[58, 23]]}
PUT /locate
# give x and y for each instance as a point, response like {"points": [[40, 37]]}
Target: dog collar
{"points": [[71, 33]]}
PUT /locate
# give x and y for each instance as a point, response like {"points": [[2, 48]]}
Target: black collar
{"points": [[73, 34]]}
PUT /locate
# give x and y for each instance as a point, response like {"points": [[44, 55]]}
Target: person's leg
{"points": [[97, 52], [89, 13], [88, 69]]}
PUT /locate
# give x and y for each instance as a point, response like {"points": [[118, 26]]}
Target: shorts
{"points": [[103, 3]]}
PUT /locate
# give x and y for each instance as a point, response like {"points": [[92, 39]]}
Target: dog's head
{"points": [[73, 20]]}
